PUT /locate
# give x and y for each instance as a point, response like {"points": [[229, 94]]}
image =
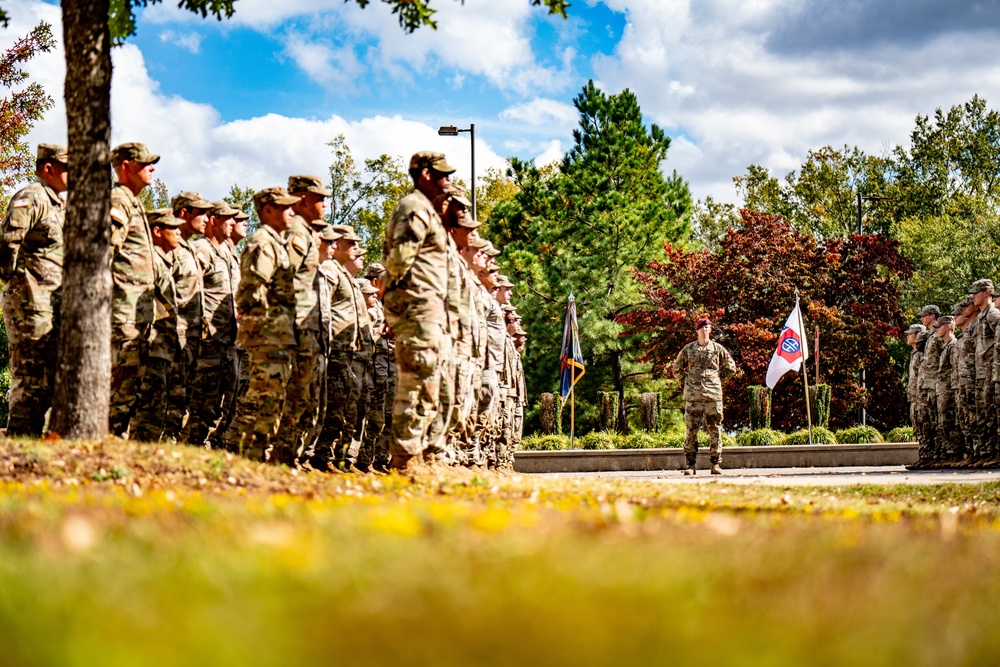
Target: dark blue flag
{"points": [[571, 357]]}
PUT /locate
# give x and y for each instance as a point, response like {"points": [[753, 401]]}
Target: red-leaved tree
{"points": [[849, 288]]}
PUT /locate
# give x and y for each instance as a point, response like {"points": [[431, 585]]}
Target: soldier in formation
{"points": [[952, 384], [281, 346]]}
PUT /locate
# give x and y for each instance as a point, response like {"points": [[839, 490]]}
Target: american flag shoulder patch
{"points": [[20, 203]]}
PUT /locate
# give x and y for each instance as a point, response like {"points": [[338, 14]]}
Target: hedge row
{"points": [[764, 437]]}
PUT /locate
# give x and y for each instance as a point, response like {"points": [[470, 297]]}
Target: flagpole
{"points": [[805, 366], [572, 409]]}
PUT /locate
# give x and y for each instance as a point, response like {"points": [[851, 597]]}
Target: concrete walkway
{"points": [[832, 476]]}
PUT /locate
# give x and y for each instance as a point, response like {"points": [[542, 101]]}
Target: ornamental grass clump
{"points": [[859, 435], [544, 443], [761, 437], [900, 434], [821, 436]]}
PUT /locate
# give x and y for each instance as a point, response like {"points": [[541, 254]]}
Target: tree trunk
{"points": [[83, 369], [616, 375]]}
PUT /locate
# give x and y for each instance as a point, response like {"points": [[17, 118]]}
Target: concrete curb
{"points": [[791, 456]]}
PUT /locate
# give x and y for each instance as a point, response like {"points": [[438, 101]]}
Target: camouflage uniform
{"points": [[986, 419], [913, 380], [132, 310], [308, 359], [31, 259], [363, 372], [375, 420], [216, 359], [474, 455], [703, 369], [522, 400], [949, 435], [237, 354], [927, 388], [489, 417], [415, 255], [508, 391], [967, 383], [343, 387], [186, 273], [266, 303], [150, 419]]}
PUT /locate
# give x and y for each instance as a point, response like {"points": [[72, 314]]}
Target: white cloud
{"points": [[708, 70], [334, 68], [540, 111], [188, 41], [200, 152], [552, 153]]}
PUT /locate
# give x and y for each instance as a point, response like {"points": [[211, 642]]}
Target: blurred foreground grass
{"points": [[116, 554]]}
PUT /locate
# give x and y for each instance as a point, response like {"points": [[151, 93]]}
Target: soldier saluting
{"points": [[703, 366]]}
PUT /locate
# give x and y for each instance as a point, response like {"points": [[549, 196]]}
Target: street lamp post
{"points": [[453, 131], [861, 200]]}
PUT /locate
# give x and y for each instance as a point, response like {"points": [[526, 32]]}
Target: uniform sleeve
{"points": [[727, 367], [20, 217], [680, 365], [409, 229], [166, 292], [119, 224]]}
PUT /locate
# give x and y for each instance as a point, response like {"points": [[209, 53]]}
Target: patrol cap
{"points": [[703, 322], [241, 216], [518, 330], [188, 199], [53, 152], [915, 329], [330, 234], [346, 232], [221, 209], [995, 294], [274, 197], [365, 286], [132, 151], [431, 160], [980, 285], [929, 310], [163, 217], [507, 308], [958, 309], [306, 183], [923, 336], [943, 320], [491, 250], [458, 193], [468, 222], [479, 243], [362, 252], [503, 281], [374, 270]]}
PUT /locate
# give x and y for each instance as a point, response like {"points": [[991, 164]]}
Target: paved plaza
{"points": [[839, 476]]}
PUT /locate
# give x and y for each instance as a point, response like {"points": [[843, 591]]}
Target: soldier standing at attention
{"points": [[218, 336], [302, 406], [927, 387], [703, 366], [949, 435], [415, 255], [31, 258], [133, 278], [967, 377], [266, 303], [986, 329], [913, 379], [384, 367], [192, 210], [149, 424]]}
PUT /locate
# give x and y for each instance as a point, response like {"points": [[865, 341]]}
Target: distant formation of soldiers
{"points": [[954, 374], [291, 350]]}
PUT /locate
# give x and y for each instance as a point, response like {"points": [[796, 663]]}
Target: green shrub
{"points": [[599, 440], [677, 440], [762, 437], [641, 441], [545, 443], [900, 434], [859, 435], [821, 436], [820, 405]]}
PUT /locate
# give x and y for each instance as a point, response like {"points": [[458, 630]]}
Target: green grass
{"points": [[178, 556]]}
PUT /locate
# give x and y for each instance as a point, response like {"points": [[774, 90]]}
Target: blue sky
{"points": [[255, 98]]}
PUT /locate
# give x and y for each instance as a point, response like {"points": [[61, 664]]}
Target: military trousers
{"points": [[149, 422], [258, 412], [362, 367], [927, 438], [709, 413], [418, 388], [375, 414], [950, 443], [459, 428], [382, 442], [487, 428], [470, 452], [302, 404], [985, 425], [342, 393], [212, 375], [129, 356], [441, 447], [32, 372]]}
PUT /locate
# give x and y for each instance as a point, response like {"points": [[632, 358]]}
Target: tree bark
{"points": [[619, 381], [83, 369]]}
